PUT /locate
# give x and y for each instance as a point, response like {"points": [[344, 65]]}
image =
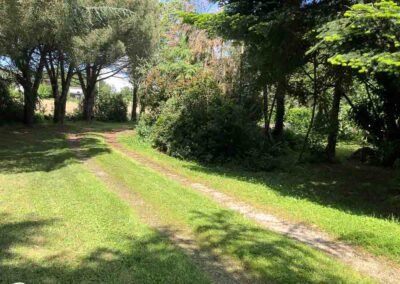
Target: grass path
{"points": [[347, 201], [220, 270], [114, 220], [60, 224], [380, 269], [265, 257]]}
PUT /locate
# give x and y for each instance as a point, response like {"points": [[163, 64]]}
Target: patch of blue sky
{"points": [[205, 6], [202, 6]]}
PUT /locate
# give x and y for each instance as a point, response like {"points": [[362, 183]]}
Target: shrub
{"points": [[111, 107], [45, 92], [145, 125], [298, 120], [203, 124], [348, 128], [11, 106]]}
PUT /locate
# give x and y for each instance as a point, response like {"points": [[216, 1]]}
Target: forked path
{"points": [[220, 269], [380, 269]]}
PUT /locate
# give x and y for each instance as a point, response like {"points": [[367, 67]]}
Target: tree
{"points": [[140, 36], [22, 47], [96, 51], [124, 29], [60, 65], [273, 31], [367, 39]]}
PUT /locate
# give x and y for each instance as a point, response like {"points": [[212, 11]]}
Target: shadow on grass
{"points": [[18, 233], [271, 258], [148, 259], [361, 190], [42, 149]]}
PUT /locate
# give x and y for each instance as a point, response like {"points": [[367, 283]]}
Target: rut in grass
{"points": [[220, 269], [379, 269]]}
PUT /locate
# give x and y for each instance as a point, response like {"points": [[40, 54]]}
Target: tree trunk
{"points": [[60, 104], [391, 103], [280, 110], [29, 105], [334, 121], [57, 109], [134, 103], [30, 81], [266, 111], [88, 103]]}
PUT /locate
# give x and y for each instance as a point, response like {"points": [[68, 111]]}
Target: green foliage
{"points": [[348, 128], [202, 123], [145, 125], [11, 107], [44, 91], [126, 93], [367, 38], [298, 120], [111, 106]]}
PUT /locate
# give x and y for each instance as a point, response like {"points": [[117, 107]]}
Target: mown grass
{"points": [[265, 256], [59, 224], [346, 200]]}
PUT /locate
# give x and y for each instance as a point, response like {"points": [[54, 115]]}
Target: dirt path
{"points": [[380, 269], [220, 269]]}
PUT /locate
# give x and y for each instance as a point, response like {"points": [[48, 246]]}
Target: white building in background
{"points": [[76, 92]]}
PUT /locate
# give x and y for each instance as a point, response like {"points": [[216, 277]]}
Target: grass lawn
{"points": [[266, 256], [348, 201], [59, 224]]}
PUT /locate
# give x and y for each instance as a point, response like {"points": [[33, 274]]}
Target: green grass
{"points": [[348, 201], [267, 257], [59, 224]]}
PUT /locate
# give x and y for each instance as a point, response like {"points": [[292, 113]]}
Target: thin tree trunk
{"points": [[30, 83], [280, 110], [334, 121], [266, 111], [57, 108], [315, 96], [88, 103], [134, 103], [29, 105]]}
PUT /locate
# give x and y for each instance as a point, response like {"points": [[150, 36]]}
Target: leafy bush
{"points": [[11, 107], [145, 125], [298, 120], [44, 91], [111, 107], [203, 124], [348, 128]]}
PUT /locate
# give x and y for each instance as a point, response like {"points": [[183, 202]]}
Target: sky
{"points": [[205, 6]]}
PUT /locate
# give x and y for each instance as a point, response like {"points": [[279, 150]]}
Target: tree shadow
{"points": [[359, 189], [148, 259], [41, 149], [18, 233], [270, 258]]}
